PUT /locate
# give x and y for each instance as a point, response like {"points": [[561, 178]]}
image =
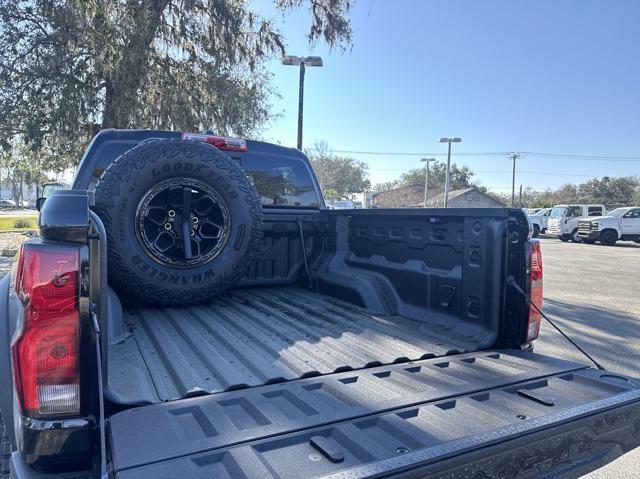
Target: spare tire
{"points": [[182, 222]]}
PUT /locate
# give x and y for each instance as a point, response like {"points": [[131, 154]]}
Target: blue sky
{"points": [[553, 76]]}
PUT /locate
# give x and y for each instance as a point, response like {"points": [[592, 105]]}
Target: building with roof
{"points": [[412, 196]]}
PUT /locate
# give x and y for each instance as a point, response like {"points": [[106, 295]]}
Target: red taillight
{"points": [[45, 349], [535, 290], [220, 142]]}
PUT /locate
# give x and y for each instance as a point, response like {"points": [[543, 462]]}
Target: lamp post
{"points": [[426, 178], [514, 157], [303, 62], [448, 175]]}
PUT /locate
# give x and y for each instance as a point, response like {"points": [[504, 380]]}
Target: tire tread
{"points": [[5, 450], [114, 180]]}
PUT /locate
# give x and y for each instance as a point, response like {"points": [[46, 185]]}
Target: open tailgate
{"points": [[486, 414]]}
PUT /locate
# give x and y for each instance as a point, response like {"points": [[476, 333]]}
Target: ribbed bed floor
{"points": [[254, 337]]}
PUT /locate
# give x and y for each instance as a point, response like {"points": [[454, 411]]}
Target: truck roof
{"points": [[578, 204], [109, 144]]}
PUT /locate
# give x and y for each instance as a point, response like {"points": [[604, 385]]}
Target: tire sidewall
{"points": [[536, 231], [608, 238], [132, 176], [574, 236]]}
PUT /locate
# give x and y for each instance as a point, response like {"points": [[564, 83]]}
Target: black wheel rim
{"points": [[182, 222]]}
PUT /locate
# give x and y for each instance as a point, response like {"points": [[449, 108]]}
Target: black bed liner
{"points": [[354, 418], [260, 336]]}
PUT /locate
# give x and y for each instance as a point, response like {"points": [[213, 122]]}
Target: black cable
{"points": [[512, 282], [103, 440], [102, 237], [304, 254]]}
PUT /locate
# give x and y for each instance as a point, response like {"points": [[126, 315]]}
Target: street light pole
{"points": [[302, 62], [514, 157], [426, 178], [448, 174], [300, 104]]}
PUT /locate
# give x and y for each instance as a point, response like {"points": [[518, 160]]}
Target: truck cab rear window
{"points": [[283, 182], [595, 210]]}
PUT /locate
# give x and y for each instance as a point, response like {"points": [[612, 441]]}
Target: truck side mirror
{"points": [[39, 203]]}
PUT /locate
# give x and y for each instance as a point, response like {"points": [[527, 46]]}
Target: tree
{"points": [[338, 176], [386, 186], [611, 192], [461, 177], [19, 166], [71, 67]]}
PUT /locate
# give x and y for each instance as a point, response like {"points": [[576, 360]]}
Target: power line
{"points": [[414, 153], [544, 173], [583, 157], [491, 153]]}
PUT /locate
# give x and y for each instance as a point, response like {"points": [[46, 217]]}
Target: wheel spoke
{"points": [[186, 227], [182, 222]]}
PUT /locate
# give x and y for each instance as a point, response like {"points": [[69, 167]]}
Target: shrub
{"points": [[22, 223]]}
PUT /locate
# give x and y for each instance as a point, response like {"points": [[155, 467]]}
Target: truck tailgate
{"points": [[502, 412]]}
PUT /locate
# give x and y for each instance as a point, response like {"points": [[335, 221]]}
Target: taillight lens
{"points": [[220, 142], [535, 289], [46, 348]]}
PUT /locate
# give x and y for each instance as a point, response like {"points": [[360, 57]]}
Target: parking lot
{"points": [[592, 293]]}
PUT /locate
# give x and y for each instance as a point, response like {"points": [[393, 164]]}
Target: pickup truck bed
{"points": [[259, 336], [426, 415], [381, 293]]}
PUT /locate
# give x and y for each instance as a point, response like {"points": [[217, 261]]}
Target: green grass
{"points": [[18, 223]]}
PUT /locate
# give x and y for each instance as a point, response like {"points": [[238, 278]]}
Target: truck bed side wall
{"points": [[447, 266]]}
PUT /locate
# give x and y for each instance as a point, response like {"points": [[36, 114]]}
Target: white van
{"points": [[540, 221], [564, 220]]}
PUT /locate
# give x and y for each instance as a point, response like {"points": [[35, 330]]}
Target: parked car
{"points": [[531, 211], [30, 203], [620, 224], [564, 220], [540, 221], [49, 188], [7, 203], [195, 311]]}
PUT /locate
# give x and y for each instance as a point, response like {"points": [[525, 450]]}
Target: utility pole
{"points": [[520, 202], [448, 175], [302, 62], [426, 178], [514, 157]]}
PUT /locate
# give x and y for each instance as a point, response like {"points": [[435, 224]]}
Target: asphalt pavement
{"points": [[593, 293]]}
